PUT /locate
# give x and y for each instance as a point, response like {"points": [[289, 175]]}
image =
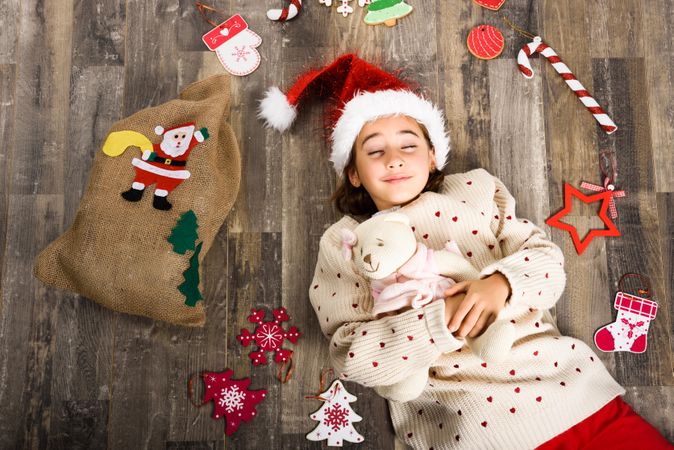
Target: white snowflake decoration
{"points": [[232, 399]]}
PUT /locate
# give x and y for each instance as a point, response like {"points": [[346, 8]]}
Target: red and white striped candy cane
{"points": [[284, 14], [538, 46]]}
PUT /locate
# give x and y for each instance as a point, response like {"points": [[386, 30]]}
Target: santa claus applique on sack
{"points": [[162, 164]]}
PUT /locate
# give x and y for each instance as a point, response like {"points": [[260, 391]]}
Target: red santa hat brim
{"points": [[368, 106]]}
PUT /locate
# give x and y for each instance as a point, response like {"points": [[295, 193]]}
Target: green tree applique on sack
{"points": [[183, 238]]}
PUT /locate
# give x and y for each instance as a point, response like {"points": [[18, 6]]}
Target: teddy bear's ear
{"points": [[397, 217], [349, 239]]}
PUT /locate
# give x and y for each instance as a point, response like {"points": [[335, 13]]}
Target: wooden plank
{"points": [[9, 31], [27, 324], [98, 33], [254, 271], [666, 226], [621, 80], [7, 107], [464, 86], [518, 131], [42, 97], [35, 204], [658, 17], [570, 129], [617, 29], [78, 424], [259, 205]]}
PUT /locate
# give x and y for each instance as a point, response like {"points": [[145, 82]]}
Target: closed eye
{"points": [[375, 152], [380, 243]]}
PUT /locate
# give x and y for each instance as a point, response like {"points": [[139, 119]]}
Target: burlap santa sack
{"points": [[159, 190]]}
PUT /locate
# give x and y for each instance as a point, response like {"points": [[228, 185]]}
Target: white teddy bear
{"points": [[405, 274]]}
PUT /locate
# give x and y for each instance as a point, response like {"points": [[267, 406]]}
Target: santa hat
{"points": [[199, 135], [362, 93]]}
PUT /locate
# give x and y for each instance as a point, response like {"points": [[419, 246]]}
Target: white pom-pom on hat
{"points": [[276, 110], [158, 130]]}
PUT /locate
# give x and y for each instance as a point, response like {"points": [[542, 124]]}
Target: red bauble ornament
{"points": [[581, 244]]}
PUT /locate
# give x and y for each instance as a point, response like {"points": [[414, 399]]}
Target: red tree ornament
{"points": [[269, 336], [231, 398], [581, 244]]}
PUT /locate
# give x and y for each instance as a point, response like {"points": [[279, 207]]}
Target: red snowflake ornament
{"points": [[231, 398], [269, 336]]}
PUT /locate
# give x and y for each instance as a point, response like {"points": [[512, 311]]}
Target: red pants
{"points": [[148, 178], [615, 426]]}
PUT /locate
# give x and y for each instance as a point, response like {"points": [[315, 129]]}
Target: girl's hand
{"points": [[484, 299]]}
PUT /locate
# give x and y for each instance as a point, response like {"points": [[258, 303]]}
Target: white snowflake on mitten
{"points": [[628, 332]]}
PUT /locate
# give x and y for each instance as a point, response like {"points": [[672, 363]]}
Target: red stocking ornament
{"points": [[628, 332]]}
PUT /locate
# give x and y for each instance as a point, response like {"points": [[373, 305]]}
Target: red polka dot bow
{"points": [[607, 187]]}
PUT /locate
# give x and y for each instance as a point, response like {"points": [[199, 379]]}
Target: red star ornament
{"points": [[556, 220]]}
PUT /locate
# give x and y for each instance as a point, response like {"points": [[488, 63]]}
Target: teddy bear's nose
{"points": [[367, 259]]}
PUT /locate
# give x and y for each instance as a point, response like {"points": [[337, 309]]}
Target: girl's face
{"points": [[392, 161]]}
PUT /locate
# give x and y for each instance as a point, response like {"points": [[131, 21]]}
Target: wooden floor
{"points": [[74, 375]]}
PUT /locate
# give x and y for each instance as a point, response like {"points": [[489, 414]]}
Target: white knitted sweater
{"points": [[547, 384]]}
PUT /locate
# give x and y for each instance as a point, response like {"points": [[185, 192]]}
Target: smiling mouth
{"points": [[373, 270]]}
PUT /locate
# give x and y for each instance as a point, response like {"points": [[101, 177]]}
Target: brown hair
{"points": [[357, 201]]}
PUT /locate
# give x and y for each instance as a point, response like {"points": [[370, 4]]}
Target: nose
{"points": [[367, 259], [395, 162]]}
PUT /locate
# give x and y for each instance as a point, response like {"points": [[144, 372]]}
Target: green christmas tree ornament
{"points": [[386, 12]]}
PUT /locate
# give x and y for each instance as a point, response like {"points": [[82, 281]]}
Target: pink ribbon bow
{"points": [[607, 187]]}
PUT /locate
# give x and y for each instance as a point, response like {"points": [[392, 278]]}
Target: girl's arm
{"points": [[533, 265], [373, 352]]}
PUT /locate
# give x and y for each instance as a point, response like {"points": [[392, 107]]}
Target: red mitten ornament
{"points": [[269, 336], [628, 332], [231, 398]]}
